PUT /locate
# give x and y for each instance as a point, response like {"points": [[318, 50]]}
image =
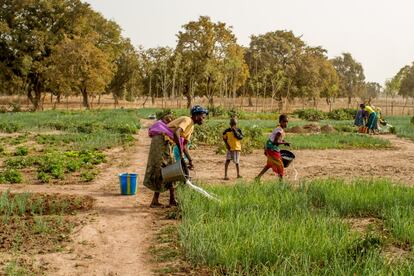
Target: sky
{"points": [[378, 33]]}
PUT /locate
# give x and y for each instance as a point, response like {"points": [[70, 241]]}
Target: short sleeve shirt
{"points": [[232, 140], [275, 132], [368, 109], [186, 124]]}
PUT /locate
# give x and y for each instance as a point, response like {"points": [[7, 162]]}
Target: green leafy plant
{"points": [[21, 151], [12, 176], [88, 176], [43, 177]]}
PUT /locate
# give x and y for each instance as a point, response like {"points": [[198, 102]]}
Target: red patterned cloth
{"points": [[275, 162]]}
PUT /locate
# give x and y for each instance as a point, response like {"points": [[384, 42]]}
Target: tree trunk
{"points": [[35, 99], [250, 101], [58, 98], [189, 100], [211, 101], [85, 99], [116, 101]]}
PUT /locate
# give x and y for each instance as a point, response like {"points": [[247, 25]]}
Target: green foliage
{"points": [[9, 127], [88, 176], [12, 176], [401, 126], [342, 114], [55, 164], [236, 113], [86, 129], [412, 120], [268, 229], [160, 114], [20, 162], [336, 141], [21, 151], [43, 177], [310, 114], [216, 111]]}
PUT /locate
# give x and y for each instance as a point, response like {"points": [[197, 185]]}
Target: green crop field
{"points": [[275, 229], [49, 146]]}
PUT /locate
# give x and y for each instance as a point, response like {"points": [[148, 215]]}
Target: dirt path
{"points": [[117, 240], [396, 163]]}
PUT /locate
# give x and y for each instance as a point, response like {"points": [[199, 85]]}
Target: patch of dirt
{"points": [[396, 164], [362, 225], [394, 253], [327, 129], [312, 128]]}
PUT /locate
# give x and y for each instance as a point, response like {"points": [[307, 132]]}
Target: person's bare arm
{"points": [[276, 141], [177, 134], [190, 160]]}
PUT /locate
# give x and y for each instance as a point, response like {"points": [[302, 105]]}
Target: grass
{"points": [[404, 128], [273, 229], [116, 120], [336, 141]]}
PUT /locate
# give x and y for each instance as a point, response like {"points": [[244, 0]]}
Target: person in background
{"points": [[372, 119], [232, 137], [359, 117], [160, 154], [272, 150]]}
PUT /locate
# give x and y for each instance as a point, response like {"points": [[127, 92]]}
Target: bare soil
{"points": [[396, 163], [121, 229]]}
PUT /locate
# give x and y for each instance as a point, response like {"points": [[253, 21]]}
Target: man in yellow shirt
{"points": [[232, 137], [160, 153]]}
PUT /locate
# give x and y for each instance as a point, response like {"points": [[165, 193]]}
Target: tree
{"points": [[82, 68], [207, 50], [351, 76], [30, 30], [372, 90], [274, 58], [407, 82], [126, 81]]}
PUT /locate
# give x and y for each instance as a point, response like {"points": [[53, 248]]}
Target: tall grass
{"points": [[336, 141], [404, 128], [116, 120], [273, 229]]}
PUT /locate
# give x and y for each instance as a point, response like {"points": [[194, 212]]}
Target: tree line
{"points": [[65, 48]]}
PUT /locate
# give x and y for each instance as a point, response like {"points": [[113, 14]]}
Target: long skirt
{"points": [[160, 155], [275, 162], [372, 121]]}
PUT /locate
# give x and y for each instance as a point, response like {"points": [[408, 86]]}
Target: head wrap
{"points": [[197, 109]]}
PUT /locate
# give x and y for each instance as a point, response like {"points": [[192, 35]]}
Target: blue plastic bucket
{"points": [[128, 183]]}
